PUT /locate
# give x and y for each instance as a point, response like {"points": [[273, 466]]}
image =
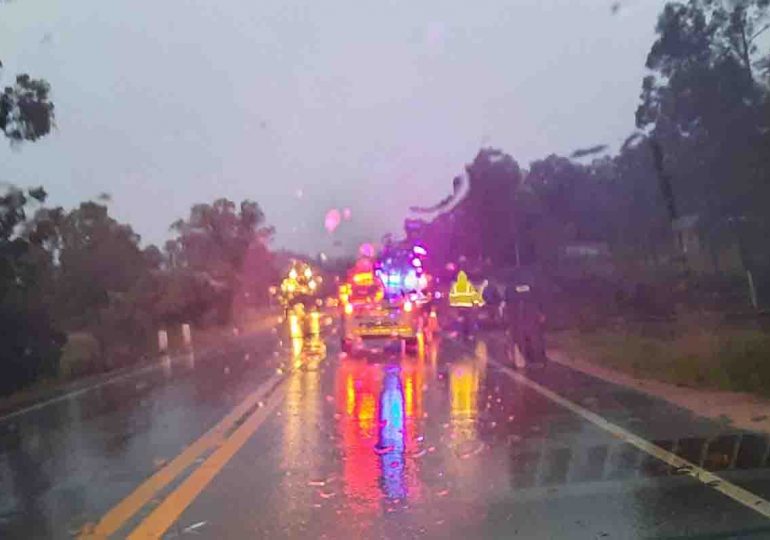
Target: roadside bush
{"points": [[746, 361], [80, 355], [29, 347]]}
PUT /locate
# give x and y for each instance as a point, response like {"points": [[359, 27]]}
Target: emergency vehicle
{"points": [[387, 298]]}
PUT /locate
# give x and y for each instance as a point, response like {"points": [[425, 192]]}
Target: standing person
{"points": [[465, 300], [492, 300], [525, 320]]}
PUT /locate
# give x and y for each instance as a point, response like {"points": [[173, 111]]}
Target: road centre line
{"points": [[738, 494], [163, 516], [116, 517]]}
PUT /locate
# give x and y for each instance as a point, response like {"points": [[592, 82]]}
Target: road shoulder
{"points": [[739, 409]]}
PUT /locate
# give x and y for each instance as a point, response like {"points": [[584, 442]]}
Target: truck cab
{"points": [[373, 310]]}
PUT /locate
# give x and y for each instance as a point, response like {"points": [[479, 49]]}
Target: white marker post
{"points": [[187, 336], [162, 341]]}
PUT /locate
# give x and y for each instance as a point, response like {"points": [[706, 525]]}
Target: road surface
{"points": [[277, 438]]}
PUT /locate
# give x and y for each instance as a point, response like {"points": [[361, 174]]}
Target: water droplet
{"points": [[332, 220], [472, 452]]}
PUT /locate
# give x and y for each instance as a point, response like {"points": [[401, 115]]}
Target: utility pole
{"points": [[667, 191]]}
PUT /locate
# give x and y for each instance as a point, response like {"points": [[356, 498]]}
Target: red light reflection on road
{"points": [[379, 409], [357, 410]]}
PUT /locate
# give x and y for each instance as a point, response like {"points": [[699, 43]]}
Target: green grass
{"points": [[724, 359]]}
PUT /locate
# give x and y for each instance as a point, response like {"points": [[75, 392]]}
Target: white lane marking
{"points": [[75, 393], [738, 494], [105, 382]]}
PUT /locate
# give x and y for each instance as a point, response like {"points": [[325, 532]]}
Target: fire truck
{"points": [[388, 298]]}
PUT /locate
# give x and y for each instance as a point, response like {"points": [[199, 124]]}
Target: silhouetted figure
{"points": [[524, 318]]}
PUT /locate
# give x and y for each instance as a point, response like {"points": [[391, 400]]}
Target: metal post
{"points": [[752, 290], [736, 449], [518, 259]]}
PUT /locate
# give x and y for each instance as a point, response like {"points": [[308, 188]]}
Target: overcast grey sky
{"points": [[307, 105]]}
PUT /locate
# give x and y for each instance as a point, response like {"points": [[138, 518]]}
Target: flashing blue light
{"points": [[410, 280], [393, 279]]}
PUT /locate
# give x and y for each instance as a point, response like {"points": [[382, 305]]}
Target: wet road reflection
{"points": [[379, 409], [416, 436], [67, 463], [380, 444]]}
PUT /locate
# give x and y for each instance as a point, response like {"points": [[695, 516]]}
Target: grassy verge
{"points": [[717, 358], [79, 364]]}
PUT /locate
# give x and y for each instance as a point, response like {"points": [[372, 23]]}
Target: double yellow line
{"points": [[227, 436]]}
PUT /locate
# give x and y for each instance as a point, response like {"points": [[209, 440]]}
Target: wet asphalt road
{"points": [[445, 443]]}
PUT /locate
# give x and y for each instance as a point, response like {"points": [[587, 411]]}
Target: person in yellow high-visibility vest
{"points": [[463, 295]]}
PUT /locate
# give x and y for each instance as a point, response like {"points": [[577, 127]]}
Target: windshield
{"points": [[387, 270]]}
